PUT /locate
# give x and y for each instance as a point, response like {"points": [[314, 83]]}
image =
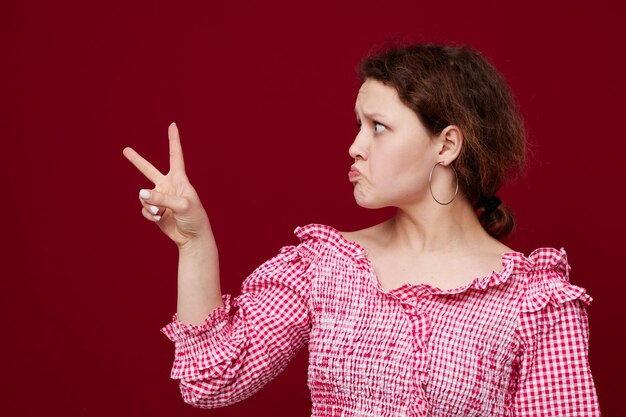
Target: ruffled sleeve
{"points": [[554, 376], [247, 342]]}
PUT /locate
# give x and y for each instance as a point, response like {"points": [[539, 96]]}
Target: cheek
{"points": [[398, 166]]}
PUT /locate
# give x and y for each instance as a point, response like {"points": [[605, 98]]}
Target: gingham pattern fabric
{"points": [[513, 343]]}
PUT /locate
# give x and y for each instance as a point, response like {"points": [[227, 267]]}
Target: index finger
{"points": [[177, 163], [142, 165]]}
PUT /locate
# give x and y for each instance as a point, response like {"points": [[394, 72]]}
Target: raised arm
{"points": [[174, 206], [224, 355]]}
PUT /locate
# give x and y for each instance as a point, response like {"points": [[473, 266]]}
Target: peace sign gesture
{"points": [[173, 203]]}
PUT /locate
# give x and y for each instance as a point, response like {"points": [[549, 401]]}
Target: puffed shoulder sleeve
{"points": [[554, 378], [247, 342]]}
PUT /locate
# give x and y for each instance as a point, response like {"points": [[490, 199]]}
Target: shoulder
{"points": [[359, 241], [328, 238], [354, 244], [546, 279], [550, 302], [368, 237]]}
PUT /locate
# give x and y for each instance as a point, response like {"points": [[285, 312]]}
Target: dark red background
{"points": [[263, 93]]}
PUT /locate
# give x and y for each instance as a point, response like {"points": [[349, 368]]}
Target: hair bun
{"points": [[490, 203], [496, 218]]}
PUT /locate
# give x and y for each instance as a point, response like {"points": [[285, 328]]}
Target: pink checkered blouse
{"points": [[513, 343]]}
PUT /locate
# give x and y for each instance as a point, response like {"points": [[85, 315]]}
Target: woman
{"points": [[424, 314]]}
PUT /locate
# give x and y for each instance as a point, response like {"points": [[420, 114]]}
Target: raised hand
{"points": [[173, 203]]}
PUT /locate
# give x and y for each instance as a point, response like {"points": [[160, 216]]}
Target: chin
{"points": [[369, 203], [377, 197]]}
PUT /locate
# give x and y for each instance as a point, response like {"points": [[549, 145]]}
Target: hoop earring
{"points": [[430, 185]]}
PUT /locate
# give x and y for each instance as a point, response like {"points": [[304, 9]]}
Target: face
{"points": [[393, 152]]}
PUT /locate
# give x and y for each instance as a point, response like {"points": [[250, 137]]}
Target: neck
{"points": [[432, 227]]}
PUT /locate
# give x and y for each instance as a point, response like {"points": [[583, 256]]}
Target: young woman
{"points": [[424, 314]]}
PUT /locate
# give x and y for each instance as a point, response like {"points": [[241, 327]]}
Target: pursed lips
{"points": [[354, 173]]}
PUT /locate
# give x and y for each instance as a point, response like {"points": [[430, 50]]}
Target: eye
{"points": [[378, 127]]}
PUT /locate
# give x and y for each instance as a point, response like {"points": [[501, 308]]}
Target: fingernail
{"points": [[145, 194], [154, 209], [157, 218], [173, 123]]}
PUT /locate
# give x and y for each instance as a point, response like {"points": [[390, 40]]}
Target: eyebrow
{"points": [[373, 115]]}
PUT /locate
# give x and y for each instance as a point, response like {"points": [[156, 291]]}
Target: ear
{"points": [[450, 142]]}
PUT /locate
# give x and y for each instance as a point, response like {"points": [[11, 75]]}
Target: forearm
{"points": [[198, 280]]}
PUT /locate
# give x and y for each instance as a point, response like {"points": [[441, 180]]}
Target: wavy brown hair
{"points": [[448, 85]]}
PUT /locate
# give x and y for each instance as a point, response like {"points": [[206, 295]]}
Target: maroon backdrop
{"points": [[263, 94]]}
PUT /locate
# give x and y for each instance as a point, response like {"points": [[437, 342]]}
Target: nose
{"points": [[357, 149]]}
